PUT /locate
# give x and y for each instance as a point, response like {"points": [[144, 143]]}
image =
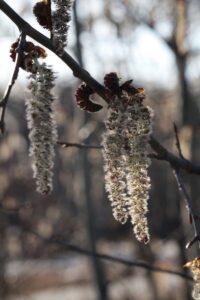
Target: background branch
{"points": [[77, 145], [74, 248], [124, 261]]}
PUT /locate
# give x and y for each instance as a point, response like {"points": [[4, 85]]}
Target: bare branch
{"points": [[194, 218], [175, 161], [81, 146], [178, 145], [4, 101]]}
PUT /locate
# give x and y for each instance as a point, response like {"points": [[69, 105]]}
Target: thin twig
{"points": [[4, 101], [194, 218], [77, 145], [161, 154], [178, 145]]}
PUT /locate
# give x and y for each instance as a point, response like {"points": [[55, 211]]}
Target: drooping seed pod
{"points": [[83, 100], [42, 12]]}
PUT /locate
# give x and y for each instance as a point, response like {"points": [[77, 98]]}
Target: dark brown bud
{"points": [[28, 53], [13, 50], [83, 100], [111, 82], [42, 11]]}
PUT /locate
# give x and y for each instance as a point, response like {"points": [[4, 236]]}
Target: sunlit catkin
{"points": [[194, 266], [125, 151], [61, 17], [114, 163], [42, 127], [138, 130]]}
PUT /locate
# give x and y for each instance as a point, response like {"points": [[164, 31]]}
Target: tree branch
{"points": [[4, 101], [175, 161], [161, 154], [178, 145], [81, 73], [46, 42]]}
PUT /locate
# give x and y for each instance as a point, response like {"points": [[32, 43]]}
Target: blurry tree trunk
{"points": [[190, 109], [86, 173], [147, 254], [181, 55]]}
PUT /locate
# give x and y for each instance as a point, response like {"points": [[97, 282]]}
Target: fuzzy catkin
{"points": [[114, 170], [60, 24], [125, 150], [41, 123], [194, 266], [138, 127]]}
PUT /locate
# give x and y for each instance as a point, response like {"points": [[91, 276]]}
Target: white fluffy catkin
{"points": [[61, 17], [194, 266], [41, 123], [125, 151]]}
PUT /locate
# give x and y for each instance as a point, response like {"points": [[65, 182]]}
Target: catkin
{"points": [[39, 112], [61, 17], [125, 152], [194, 266]]}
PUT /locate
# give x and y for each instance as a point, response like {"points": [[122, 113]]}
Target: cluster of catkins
{"points": [[125, 151], [39, 108], [194, 266]]}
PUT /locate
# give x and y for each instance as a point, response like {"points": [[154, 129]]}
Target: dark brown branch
{"points": [[4, 101], [178, 145], [176, 161]]}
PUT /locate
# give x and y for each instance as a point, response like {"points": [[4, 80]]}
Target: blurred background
{"points": [[156, 43]]}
